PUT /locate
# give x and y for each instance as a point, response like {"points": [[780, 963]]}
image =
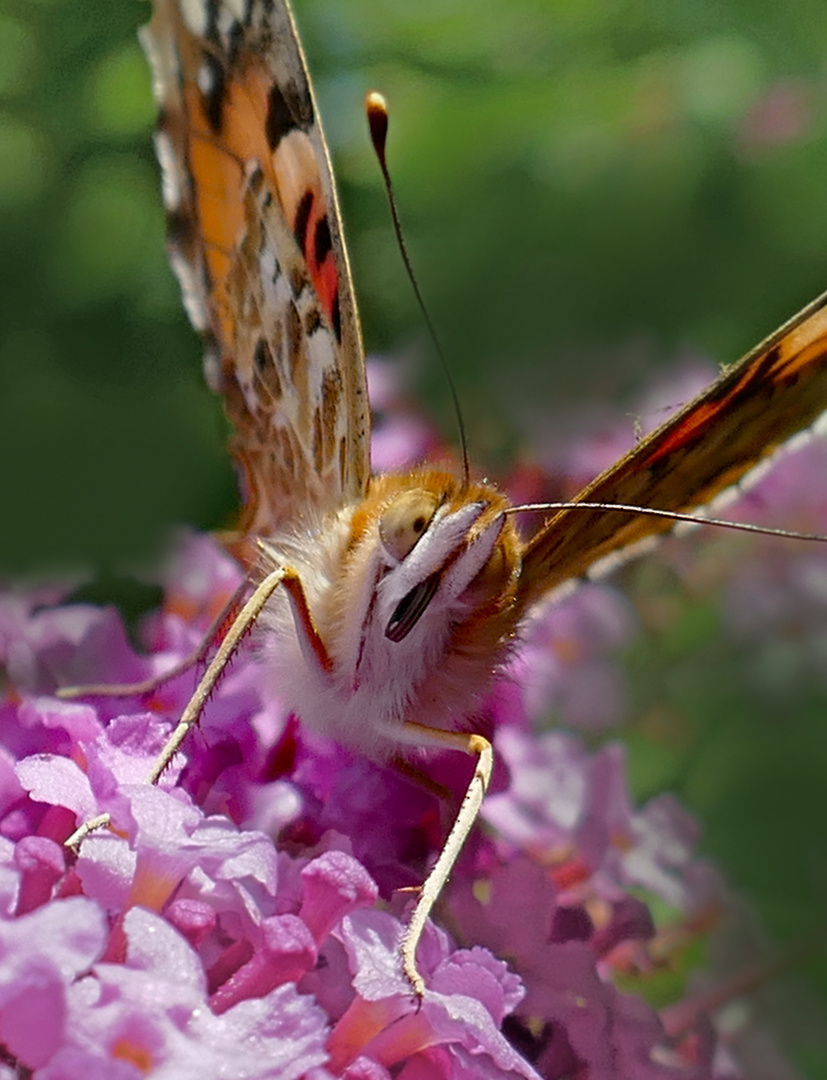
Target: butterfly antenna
{"points": [[667, 515], [377, 112]]}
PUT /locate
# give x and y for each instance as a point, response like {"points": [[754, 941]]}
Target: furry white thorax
{"points": [[352, 596]]}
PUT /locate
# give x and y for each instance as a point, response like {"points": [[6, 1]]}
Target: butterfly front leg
{"points": [[478, 745], [144, 687], [311, 642]]}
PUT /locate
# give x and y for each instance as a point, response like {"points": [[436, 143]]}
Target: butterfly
{"points": [[386, 602]]}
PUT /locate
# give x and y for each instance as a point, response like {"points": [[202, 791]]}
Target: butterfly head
{"points": [[444, 556]]}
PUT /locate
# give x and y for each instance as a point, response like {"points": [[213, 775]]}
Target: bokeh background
{"points": [[590, 190]]}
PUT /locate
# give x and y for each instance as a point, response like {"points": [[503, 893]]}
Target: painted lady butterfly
{"points": [[388, 600]]}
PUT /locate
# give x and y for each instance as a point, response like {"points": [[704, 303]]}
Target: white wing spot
{"points": [[820, 426], [195, 16], [192, 290], [171, 176], [232, 12], [206, 79], [269, 270]]}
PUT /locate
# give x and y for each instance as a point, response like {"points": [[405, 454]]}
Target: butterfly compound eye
{"points": [[405, 520]]}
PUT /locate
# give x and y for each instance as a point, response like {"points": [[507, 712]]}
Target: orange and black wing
{"points": [[256, 240], [777, 390]]}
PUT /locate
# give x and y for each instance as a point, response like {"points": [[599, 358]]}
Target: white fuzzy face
{"points": [[387, 604]]}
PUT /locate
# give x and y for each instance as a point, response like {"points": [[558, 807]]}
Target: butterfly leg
{"points": [[241, 626], [472, 801], [148, 686]]}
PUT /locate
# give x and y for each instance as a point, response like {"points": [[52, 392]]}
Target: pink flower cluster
{"points": [[244, 919], [178, 944]]}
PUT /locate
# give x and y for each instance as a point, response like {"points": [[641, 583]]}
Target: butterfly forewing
{"points": [[256, 241], [775, 391]]}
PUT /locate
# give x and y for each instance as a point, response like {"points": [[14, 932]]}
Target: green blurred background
{"points": [[588, 189]]}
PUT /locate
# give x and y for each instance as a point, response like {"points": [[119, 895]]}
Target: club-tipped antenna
{"points": [[377, 112]]}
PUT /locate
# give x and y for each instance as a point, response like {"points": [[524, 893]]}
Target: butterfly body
{"points": [[413, 593]]}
